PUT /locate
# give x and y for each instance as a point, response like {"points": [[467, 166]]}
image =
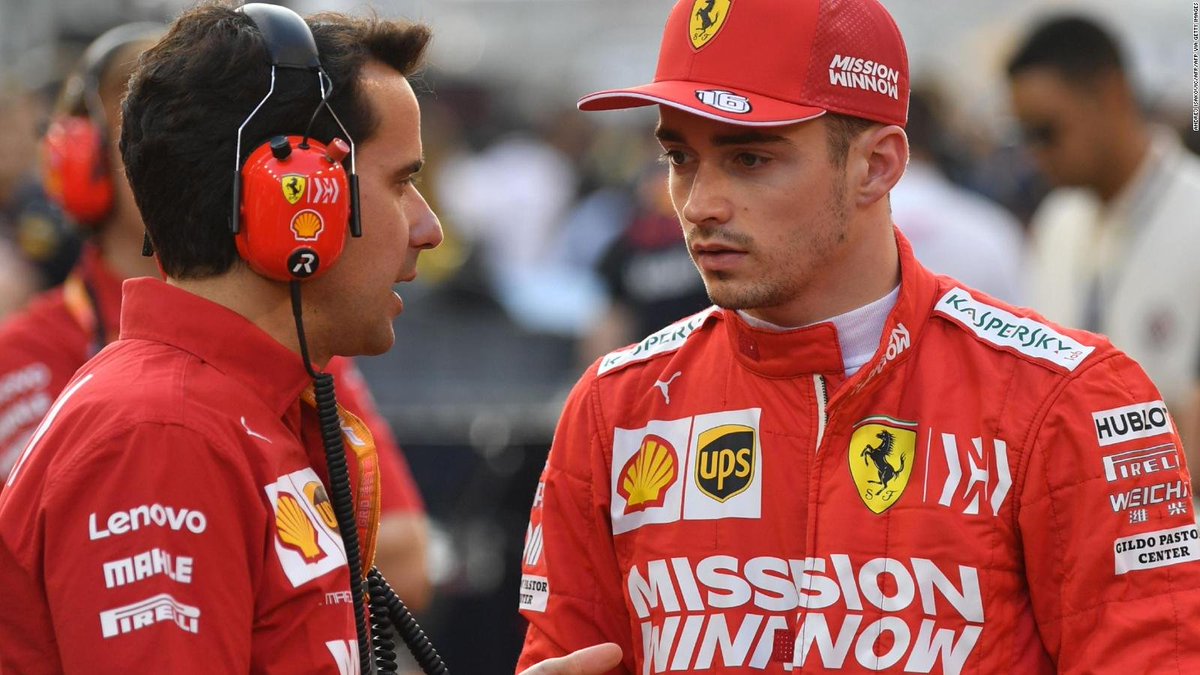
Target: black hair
{"points": [[1079, 49], [192, 90]]}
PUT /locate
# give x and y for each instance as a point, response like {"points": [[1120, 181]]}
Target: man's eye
{"points": [[749, 160], [674, 157]]}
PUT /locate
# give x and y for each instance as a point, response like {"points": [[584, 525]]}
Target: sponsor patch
{"points": [[293, 185], [157, 609], [707, 19], [306, 546], [535, 593], [857, 73], [1160, 548], [705, 467], [1150, 495], [881, 454], [725, 465], [725, 461], [307, 225], [345, 656], [666, 340], [642, 459], [1131, 422], [898, 342], [726, 101], [324, 190], [148, 564], [1134, 463], [831, 610], [973, 473], [147, 515], [648, 475], [1005, 329]]}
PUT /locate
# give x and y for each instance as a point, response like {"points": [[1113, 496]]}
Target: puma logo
{"points": [[253, 434], [664, 386]]}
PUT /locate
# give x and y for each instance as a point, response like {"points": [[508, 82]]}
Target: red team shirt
{"points": [[43, 346], [180, 525], [989, 494]]}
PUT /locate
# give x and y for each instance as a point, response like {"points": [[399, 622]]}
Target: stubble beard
{"points": [[781, 286]]}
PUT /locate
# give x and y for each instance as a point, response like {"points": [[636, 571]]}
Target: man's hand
{"points": [[593, 660]]}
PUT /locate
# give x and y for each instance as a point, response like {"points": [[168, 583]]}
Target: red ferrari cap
{"points": [[774, 62]]}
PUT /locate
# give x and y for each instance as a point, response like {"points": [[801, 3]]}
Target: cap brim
{"points": [[760, 110]]}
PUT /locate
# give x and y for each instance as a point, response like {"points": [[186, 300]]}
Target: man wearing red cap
{"points": [[848, 463]]}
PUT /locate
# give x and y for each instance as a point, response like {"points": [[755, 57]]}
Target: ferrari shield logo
{"points": [[708, 16], [293, 186], [881, 459]]}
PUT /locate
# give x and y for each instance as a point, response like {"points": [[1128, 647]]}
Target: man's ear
{"points": [[882, 155]]}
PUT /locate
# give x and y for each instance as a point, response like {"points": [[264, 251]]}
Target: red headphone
{"points": [[75, 168], [292, 199]]}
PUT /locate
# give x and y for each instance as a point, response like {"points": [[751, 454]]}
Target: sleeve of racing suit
{"points": [[153, 545], [571, 583], [1111, 548]]}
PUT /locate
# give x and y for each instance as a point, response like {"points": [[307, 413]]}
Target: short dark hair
{"points": [[840, 131], [1079, 48], [190, 92]]}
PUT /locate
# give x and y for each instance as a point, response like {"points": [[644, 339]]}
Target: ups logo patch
{"points": [[725, 461]]}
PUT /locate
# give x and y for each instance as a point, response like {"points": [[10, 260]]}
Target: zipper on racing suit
{"points": [[822, 392]]}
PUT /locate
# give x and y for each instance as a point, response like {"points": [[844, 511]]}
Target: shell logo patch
{"points": [[307, 225], [305, 544], [881, 454], [648, 474], [708, 17], [296, 530], [293, 185]]}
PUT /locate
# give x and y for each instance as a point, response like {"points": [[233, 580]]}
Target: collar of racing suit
{"points": [[154, 310], [814, 349]]}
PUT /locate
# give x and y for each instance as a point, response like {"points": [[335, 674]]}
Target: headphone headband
{"points": [[289, 40]]}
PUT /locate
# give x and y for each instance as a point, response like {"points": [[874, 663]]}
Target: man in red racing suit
{"points": [[848, 464]]}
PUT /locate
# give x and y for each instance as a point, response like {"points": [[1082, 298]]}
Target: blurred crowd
{"points": [[562, 244]]}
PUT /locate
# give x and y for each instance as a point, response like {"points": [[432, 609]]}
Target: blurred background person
{"points": [[647, 273], [42, 346], [36, 246], [953, 230], [1115, 245]]}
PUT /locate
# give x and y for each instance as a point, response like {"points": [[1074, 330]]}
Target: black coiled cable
{"points": [[389, 615]]}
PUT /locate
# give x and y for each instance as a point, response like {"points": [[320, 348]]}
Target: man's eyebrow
{"points": [[666, 135], [415, 167]]}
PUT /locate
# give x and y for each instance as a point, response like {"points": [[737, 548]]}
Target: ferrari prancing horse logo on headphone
{"points": [[293, 186]]}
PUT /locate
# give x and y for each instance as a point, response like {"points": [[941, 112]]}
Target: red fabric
{"points": [[755, 62], [177, 525], [43, 346], [701, 507]]}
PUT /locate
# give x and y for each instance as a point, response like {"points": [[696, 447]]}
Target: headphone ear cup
{"points": [[75, 169], [295, 209]]}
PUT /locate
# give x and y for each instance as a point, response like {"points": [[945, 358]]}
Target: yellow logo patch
{"points": [[725, 464], [882, 451], [293, 186], [708, 16], [320, 502], [648, 474], [296, 531], [307, 225]]}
